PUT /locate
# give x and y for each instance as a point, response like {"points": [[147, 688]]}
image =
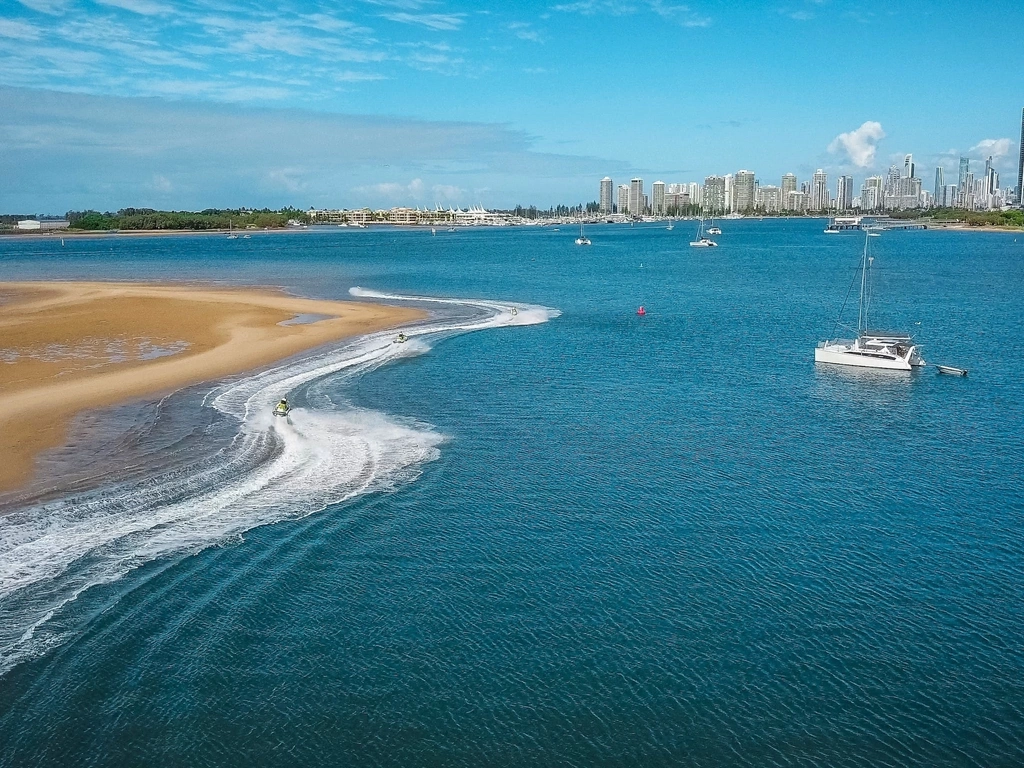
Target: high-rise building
{"points": [[605, 201], [940, 187], [743, 192], [1020, 167], [714, 194], [696, 193], [623, 198], [844, 193], [872, 193], [636, 197], [729, 178], [965, 168], [819, 191], [797, 201], [788, 185], [908, 166], [769, 198], [658, 198]]}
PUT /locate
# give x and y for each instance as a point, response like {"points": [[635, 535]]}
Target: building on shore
{"points": [[769, 199], [623, 199], [844, 193], [819, 191], [606, 204], [637, 207], [743, 192], [714, 195], [658, 198], [1020, 166]]}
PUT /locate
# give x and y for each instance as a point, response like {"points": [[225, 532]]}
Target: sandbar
{"points": [[66, 347]]}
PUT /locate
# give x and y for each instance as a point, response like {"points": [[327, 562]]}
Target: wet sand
{"points": [[67, 347]]}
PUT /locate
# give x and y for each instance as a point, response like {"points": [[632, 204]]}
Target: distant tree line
{"points": [[1010, 218], [211, 218]]}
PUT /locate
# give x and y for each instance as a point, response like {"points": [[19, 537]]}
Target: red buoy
{"points": [[641, 311]]}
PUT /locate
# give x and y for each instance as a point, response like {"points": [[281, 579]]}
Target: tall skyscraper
{"points": [[623, 198], [743, 191], [605, 201], [714, 194], [908, 166], [940, 187], [788, 185], [844, 193], [819, 191], [965, 168], [636, 197], [1020, 167], [658, 198]]}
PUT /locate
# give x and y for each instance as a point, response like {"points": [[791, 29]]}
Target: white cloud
{"points": [[19, 30], [447, 192], [859, 145], [997, 148], [51, 7], [524, 31], [141, 7], [436, 21]]}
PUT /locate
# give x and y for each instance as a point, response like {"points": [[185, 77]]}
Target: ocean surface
{"points": [[569, 537]]}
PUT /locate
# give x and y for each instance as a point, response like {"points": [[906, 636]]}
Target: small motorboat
{"points": [[951, 371], [641, 311], [282, 408], [401, 338], [714, 231]]}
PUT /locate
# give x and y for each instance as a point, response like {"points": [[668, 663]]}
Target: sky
{"points": [[188, 105]]}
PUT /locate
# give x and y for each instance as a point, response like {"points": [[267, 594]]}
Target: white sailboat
{"points": [[582, 239], [871, 348], [702, 241]]}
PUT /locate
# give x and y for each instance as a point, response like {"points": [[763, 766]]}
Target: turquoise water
{"points": [[594, 540]]}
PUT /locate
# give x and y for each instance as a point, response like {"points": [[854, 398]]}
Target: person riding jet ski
{"points": [[282, 409]]}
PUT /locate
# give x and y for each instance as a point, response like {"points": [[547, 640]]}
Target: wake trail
{"points": [[272, 469]]}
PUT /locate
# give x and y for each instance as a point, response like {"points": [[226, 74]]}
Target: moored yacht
{"points": [[701, 240], [582, 239], [871, 348]]}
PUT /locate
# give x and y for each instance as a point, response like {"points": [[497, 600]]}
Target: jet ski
{"points": [[282, 408], [401, 338]]}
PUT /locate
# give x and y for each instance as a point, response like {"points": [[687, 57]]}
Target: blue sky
{"points": [[383, 102]]}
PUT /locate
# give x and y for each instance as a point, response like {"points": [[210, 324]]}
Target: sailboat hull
{"points": [[849, 354]]}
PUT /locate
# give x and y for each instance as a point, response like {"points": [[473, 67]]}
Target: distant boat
{"points": [[701, 241], [670, 226], [871, 349], [713, 230], [231, 234], [641, 311], [582, 239], [433, 231], [950, 370]]}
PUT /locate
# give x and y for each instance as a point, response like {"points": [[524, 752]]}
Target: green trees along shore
{"points": [[211, 218]]}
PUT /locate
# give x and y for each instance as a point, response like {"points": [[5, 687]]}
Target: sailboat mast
{"points": [[863, 279]]}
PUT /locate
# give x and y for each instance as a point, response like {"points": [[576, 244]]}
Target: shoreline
{"points": [[68, 347]]}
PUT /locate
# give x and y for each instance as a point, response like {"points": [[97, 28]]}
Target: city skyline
{"points": [[177, 105]]}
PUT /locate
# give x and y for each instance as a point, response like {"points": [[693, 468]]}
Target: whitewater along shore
{"points": [[66, 347]]}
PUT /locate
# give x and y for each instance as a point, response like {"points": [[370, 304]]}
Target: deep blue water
{"points": [[644, 541]]}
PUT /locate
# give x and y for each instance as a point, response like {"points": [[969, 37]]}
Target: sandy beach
{"points": [[67, 347]]}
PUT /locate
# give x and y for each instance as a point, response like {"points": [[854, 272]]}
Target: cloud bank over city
{"points": [[155, 153], [425, 101]]}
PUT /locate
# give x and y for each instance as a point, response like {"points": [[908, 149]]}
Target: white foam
{"points": [[275, 469]]}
